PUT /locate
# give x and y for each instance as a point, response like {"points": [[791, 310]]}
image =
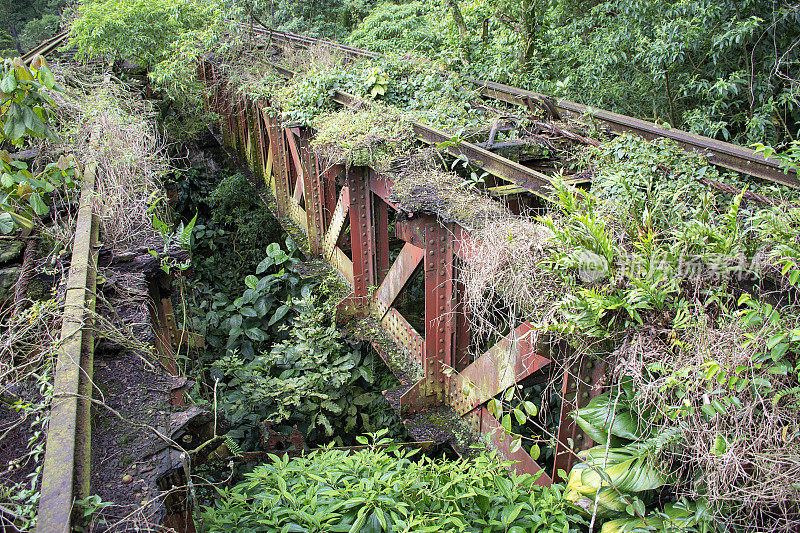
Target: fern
{"points": [[233, 446]]}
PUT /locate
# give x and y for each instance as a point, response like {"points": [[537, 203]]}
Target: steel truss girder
{"points": [[508, 362], [581, 382], [366, 200]]}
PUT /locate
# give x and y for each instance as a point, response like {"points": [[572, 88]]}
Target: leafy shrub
{"points": [[25, 113], [235, 220], [387, 488], [312, 378], [394, 28], [163, 36]]}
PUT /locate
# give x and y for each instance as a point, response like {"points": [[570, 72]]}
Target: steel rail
{"points": [[719, 153], [65, 473], [536, 182], [307, 41], [46, 47]]}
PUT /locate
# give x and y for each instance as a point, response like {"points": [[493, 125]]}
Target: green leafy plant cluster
{"points": [[685, 293], [441, 99], [25, 114], [163, 36], [266, 335], [231, 240], [369, 137], [388, 488], [312, 378], [722, 69], [393, 28]]}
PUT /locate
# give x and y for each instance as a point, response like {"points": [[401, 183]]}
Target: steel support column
{"points": [[439, 309], [362, 233], [313, 193], [277, 149]]}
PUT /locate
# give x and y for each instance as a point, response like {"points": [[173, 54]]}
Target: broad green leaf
{"points": [[279, 314], [46, 75], [38, 205], [9, 83], [6, 223]]}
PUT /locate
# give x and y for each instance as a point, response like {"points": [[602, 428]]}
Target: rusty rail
{"points": [[725, 155], [322, 205], [46, 47], [530, 180], [65, 474], [719, 153]]}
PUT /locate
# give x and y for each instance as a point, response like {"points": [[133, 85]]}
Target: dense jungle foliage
{"points": [[723, 69], [689, 295], [23, 25], [272, 351]]}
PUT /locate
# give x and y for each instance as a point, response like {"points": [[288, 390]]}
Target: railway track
{"points": [[66, 469], [719, 153], [46, 47]]}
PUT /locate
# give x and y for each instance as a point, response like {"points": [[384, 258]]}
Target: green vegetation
{"points": [[162, 36], [387, 488], [326, 18], [687, 295], [404, 27], [273, 352], [24, 25], [723, 69], [363, 138], [311, 379], [679, 290], [25, 114]]}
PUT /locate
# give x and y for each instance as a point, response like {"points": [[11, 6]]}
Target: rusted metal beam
{"points": [[580, 383], [398, 276], [381, 186], [461, 354], [719, 153], [277, 148], [46, 47], [508, 362], [404, 334], [337, 223], [362, 231], [65, 473], [381, 210], [485, 424], [439, 308], [313, 193]]}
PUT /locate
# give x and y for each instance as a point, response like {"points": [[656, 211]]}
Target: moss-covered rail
{"points": [[65, 475]]}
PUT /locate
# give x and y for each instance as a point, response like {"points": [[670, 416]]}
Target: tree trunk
{"points": [[530, 27], [459, 20], [13, 28]]}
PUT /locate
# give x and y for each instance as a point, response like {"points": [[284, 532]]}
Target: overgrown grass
{"points": [[364, 137]]}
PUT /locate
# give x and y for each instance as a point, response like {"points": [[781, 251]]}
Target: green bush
{"points": [[312, 379], [398, 28], [388, 488]]}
